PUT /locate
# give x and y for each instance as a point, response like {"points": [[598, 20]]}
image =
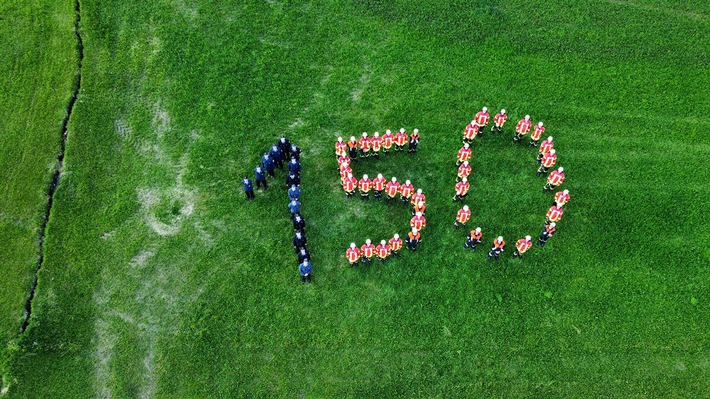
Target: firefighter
{"points": [[368, 251], [376, 145], [561, 197], [548, 230], [418, 221], [554, 214], [413, 239], [522, 129], [464, 171], [378, 184], [419, 208], [383, 251], [463, 155], [418, 197], [497, 248], [461, 189], [405, 191], [536, 134], [353, 254], [387, 141], [545, 147], [352, 148], [392, 188], [341, 148], [470, 132], [343, 162], [400, 139], [395, 244], [521, 246], [462, 217], [349, 185], [481, 119], [473, 239], [414, 141], [499, 121], [364, 186], [364, 145], [547, 161], [554, 179]]}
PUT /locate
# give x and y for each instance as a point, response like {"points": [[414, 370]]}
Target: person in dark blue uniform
{"points": [[284, 144], [294, 193], [303, 254], [299, 241], [248, 188], [268, 163], [294, 166], [305, 270], [277, 155], [294, 207], [295, 152], [293, 179], [260, 177], [299, 223]]}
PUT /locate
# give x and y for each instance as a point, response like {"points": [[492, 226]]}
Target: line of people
{"points": [[546, 159], [372, 146]]}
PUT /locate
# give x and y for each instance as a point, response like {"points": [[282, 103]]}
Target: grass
{"points": [[160, 281]]}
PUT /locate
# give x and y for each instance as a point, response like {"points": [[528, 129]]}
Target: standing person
{"points": [[481, 119], [405, 191], [561, 197], [305, 269], [349, 185], [367, 250], [268, 163], [418, 197], [400, 139], [299, 241], [522, 129], [461, 189], [295, 152], [499, 121], [387, 141], [294, 166], [545, 147], [364, 145], [548, 230], [473, 239], [536, 134], [341, 148], [383, 251], [353, 254], [413, 239], [303, 254], [419, 208], [248, 188], [464, 171], [497, 248], [343, 161], [352, 148], [364, 186], [418, 221], [378, 184], [462, 217], [293, 179], [521, 246], [294, 193], [277, 155], [414, 141], [554, 214], [345, 171], [294, 207], [260, 177], [554, 179], [548, 161], [392, 188], [470, 132], [376, 144], [395, 244], [463, 155], [299, 223], [284, 144]]}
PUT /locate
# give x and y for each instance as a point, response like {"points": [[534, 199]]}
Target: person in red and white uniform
{"points": [[470, 132], [462, 217], [387, 141], [392, 189], [353, 254], [368, 251], [343, 161], [418, 221], [547, 161], [554, 179], [463, 155], [545, 147], [554, 214], [405, 191], [499, 121], [522, 128], [345, 170], [482, 118], [378, 184], [521, 246], [365, 185], [349, 185], [536, 134], [400, 139], [364, 145], [395, 244], [376, 145], [561, 197], [382, 251], [418, 197], [464, 171], [461, 189], [341, 148]]}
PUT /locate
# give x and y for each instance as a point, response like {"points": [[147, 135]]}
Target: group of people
{"points": [[546, 160], [351, 151], [275, 158]]}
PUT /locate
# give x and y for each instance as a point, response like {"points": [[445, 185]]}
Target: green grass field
{"points": [[159, 280]]}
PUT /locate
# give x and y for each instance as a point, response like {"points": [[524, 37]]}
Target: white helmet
{"points": [[396, 236], [478, 229], [549, 138], [352, 138], [485, 109], [340, 139], [420, 204], [464, 180], [465, 163], [407, 182], [566, 192], [383, 242], [368, 242], [350, 175], [352, 245], [473, 122], [552, 151], [394, 179], [416, 131], [298, 233], [419, 213], [364, 177], [527, 117], [500, 238], [364, 134], [388, 131], [414, 230], [561, 169], [379, 175], [465, 145], [527, 238], [502, 111], [465, 207], [377, 134], [553, 224], [539, 123], [401, 130], [419, 191]]}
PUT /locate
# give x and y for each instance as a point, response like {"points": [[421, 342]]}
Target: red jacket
{"points": [[555, 178], [462, 216], [546, 146], [548, 160], [561, 198], [392, 188], [555, 213], [500, 119], [464, 154], [523, 245], [482, 118], [462, 188], [353, 254], [406, 190], [378, 183], [539, 130], [523, 126]]}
